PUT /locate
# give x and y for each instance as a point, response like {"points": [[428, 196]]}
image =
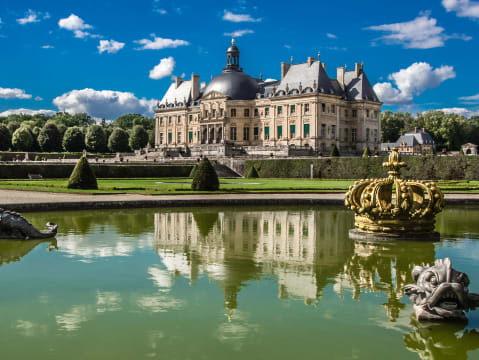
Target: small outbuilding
{"points": [[469, 149], [414, 142]]}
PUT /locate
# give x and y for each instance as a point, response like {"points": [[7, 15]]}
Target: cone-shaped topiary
{"points": [[205, 178], [82, 176], [193, 171], [252, 173], [334, 151], [366, 152]]}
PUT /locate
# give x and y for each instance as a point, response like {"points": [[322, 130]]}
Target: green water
{"points": [[231, 283]]}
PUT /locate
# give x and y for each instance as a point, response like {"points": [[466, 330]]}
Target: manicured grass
{"points": [[229, 185]]}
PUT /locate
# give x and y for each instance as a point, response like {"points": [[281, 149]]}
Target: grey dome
{"points": [[235, 84]]}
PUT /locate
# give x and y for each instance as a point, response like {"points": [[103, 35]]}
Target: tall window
{"points": [[266, 132], [323, 130], [256, 112], [280, 110], [233, 133], [161, 138], [179, 138], [214, 112], [170, 138], [293, 109], [306, 108], [279, 130], [355, 113], [233, 112], [266, 111], [354, 135], [323, 107], [367, 134], [333, 109], [169, 119], [367, 112], [346, 134], [190, 136], [375, 135], [346, 114], [256, 133], [246, 112], [292, 131], [306, 130], [333, 131], [191, 117], [246, 133], [222, 112]]}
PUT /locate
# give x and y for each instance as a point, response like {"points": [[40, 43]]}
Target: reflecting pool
{"points": [[225, 283]]}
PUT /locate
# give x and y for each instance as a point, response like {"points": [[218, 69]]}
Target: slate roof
{"points": [[359, 88], [178, 94], [411, 139]]}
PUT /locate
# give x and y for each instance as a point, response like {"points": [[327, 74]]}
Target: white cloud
{"points": [[159, 43], [163, 69], [239, 33], [287, 46], [460, 111], [27, 112], [462, 8], [412, 81], [160, 11], [77, 25], [331, 36], [7, 93], [0, 20], [38, 98], [106, 104], [474, 99], [32, 17], [229, 16], [110, 46], [420, 33], [47, 47]]}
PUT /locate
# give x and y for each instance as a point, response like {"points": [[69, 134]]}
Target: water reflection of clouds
{"points": [[159, 303], [161, 278], [237, 329], [108, 301], [29, 329], [71, 321]]}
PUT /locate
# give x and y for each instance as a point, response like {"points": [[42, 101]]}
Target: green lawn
{"points": [[237, 185]]}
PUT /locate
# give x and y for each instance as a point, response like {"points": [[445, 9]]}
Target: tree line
{"points": [[449, 131], [74, 133]]}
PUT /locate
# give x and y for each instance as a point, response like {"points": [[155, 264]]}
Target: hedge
{"points": [[12, 155], [21, 171], [419, 167]]}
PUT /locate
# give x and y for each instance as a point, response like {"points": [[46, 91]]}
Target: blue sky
{"points": [[113, 57]]}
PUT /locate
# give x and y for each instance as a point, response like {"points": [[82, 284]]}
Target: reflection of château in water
{"points": [[302, 248]]}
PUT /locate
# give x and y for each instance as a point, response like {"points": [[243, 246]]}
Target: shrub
{"points": [[12, 126], [74, 140], [367, 152], [118, 141], [22, 139], [82, 176], [205, 177], [138, 138], [95, 139], [5, 138], [193, 171], [252, 173], [49, 138], [334, 151]]}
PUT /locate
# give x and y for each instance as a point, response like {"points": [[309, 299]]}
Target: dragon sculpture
{"points": [[15, 226], [441, 292]]}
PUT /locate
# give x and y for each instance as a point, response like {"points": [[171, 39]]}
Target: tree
{"points": [[334, 151], [22, 139], [118, 141], [138, 138], [5, 138], [73, 140], [367, 152], [95, 139], [151, 137], [391, 126], [12, 126], [205, 178], [50, 139], [82, 176]]}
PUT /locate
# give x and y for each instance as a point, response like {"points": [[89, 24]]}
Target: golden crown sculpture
{"points": [[394, 207]]}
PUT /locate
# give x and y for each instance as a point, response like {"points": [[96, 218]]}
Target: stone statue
{"points": [[441, 293], [15, 226]]}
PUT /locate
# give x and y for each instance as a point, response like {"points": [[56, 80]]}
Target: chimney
{"points": [[284, 69], [195, 86], [423, 130], [178, 81], [340, 76], [358, 68], [203, 85], [310, 60], [319, 56]]}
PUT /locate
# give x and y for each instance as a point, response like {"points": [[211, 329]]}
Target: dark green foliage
{"points": [[205, 178], [5, 138], [252, 173], [12, 126], [151, 138], [22, 139], [419, 167], [138, 138], [118, 141], [49, 138], [334, 151], [127, 121], [193, 171], [82, 176], [58, 170], [95, 139], [367, 152], [74, 140]]}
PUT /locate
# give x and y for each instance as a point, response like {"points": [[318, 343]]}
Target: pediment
{"points": [[214, 95]]}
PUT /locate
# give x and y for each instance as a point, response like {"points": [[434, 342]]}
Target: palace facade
{"points": [[304, 110]]}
